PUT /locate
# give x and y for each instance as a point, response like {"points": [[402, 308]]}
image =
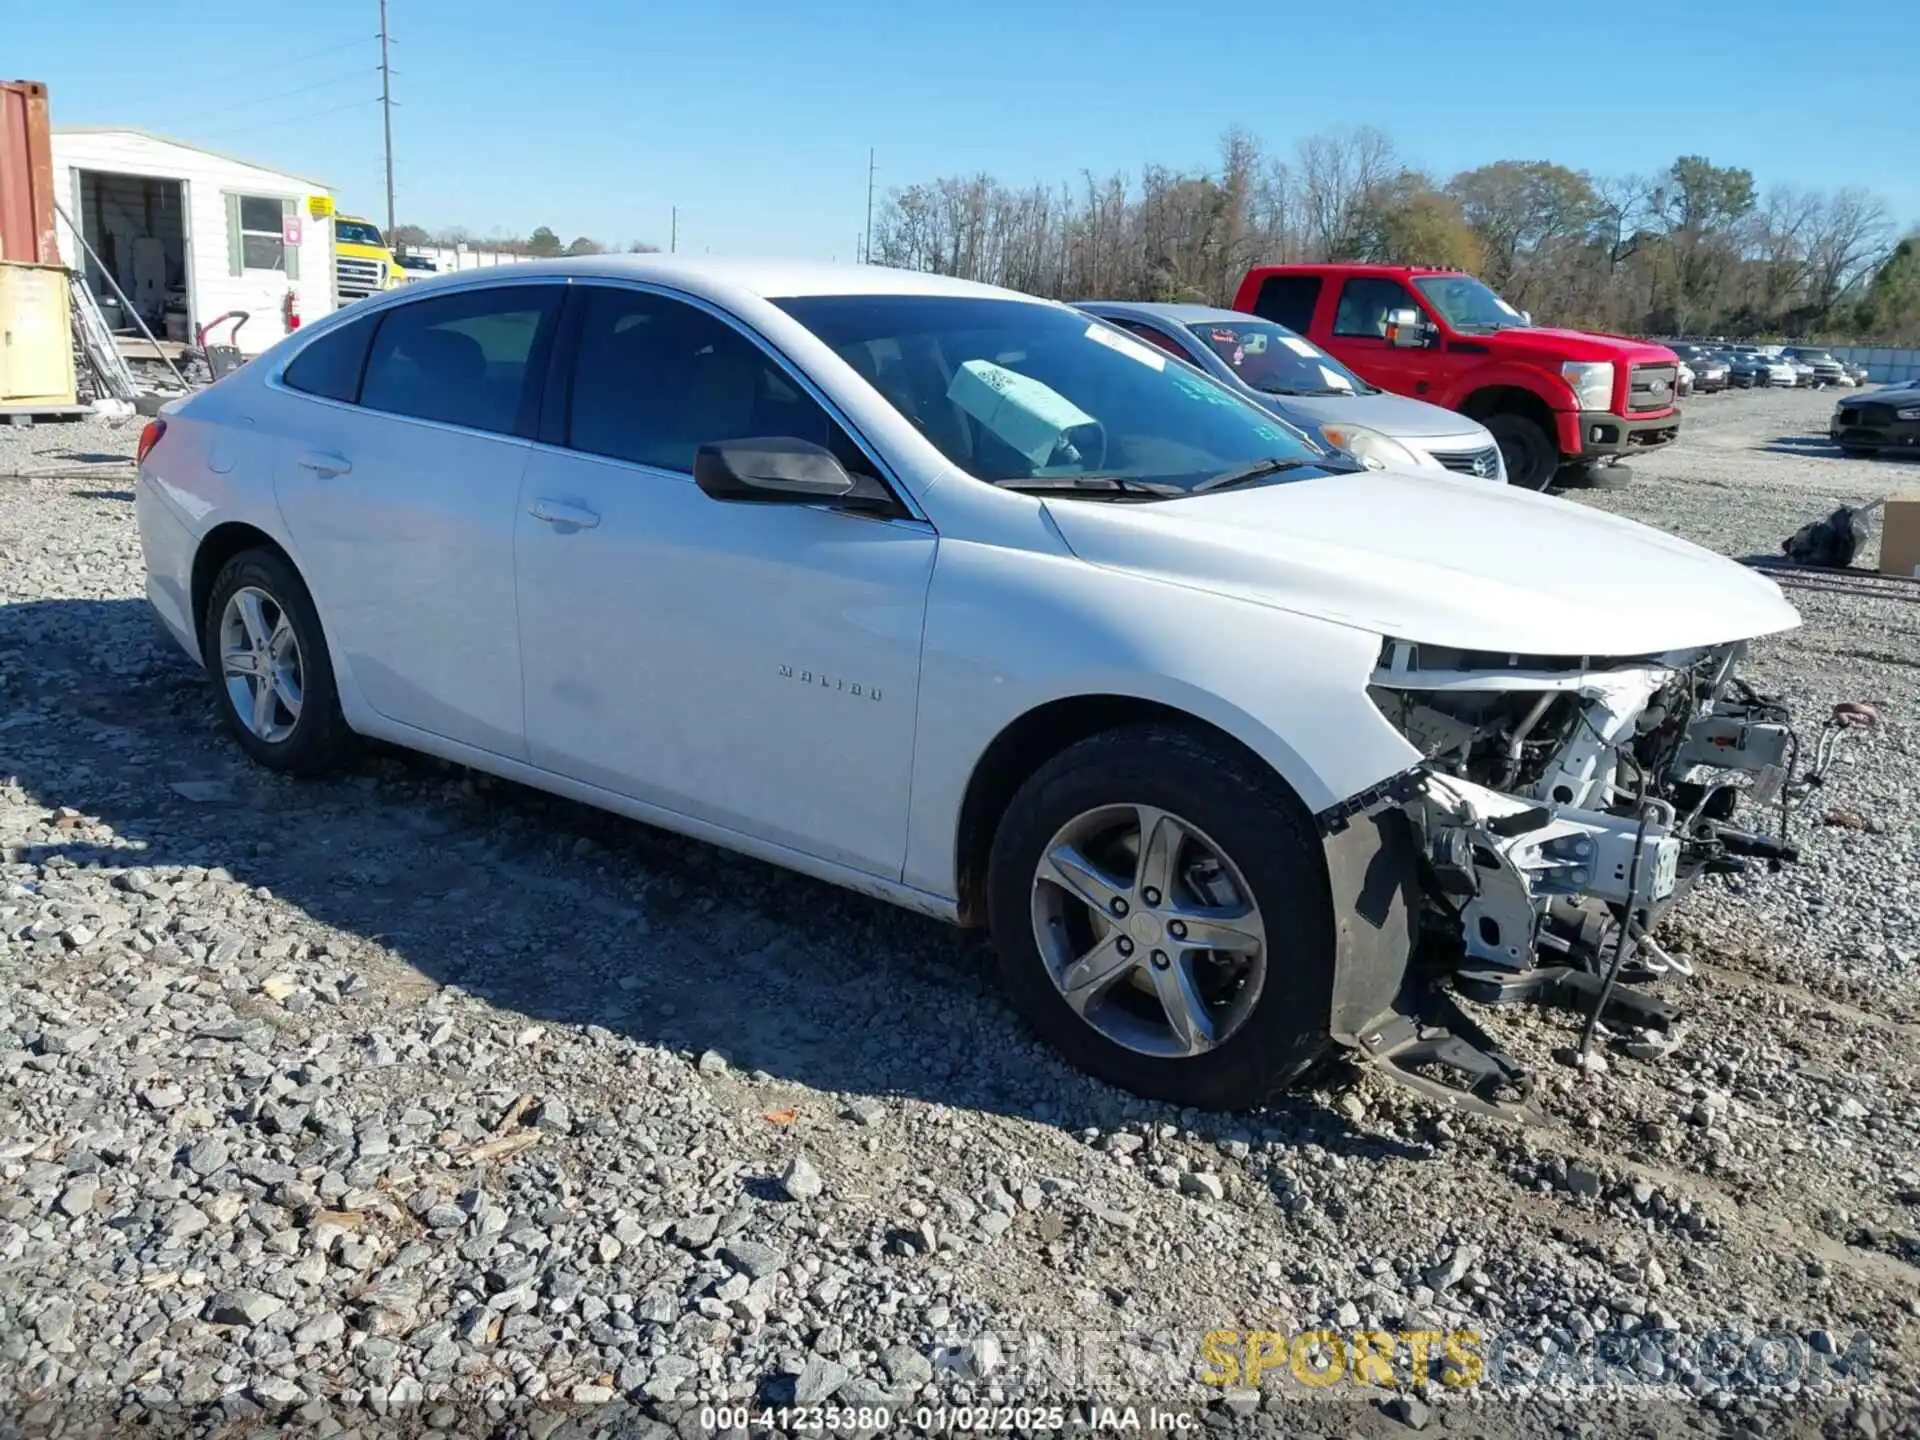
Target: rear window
{"points": [[1288, 300], [474, 359], [330, 367]]}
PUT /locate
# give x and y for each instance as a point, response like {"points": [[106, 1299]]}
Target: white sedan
{"points": [[974, 603]]}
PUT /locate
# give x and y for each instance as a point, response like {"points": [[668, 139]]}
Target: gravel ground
{"points": [[417, 1100]]}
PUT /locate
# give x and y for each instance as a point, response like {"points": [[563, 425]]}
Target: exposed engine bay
{"points": [[1563, 806]]}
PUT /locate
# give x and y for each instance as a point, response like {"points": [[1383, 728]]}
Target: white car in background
{"points": [[976, 604]]}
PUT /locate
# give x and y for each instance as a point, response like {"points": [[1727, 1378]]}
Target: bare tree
{"points": [[1337, 172], [1845, 239], [1694, 247]]}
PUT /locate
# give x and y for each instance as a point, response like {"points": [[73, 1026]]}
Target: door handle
{"points": [[555, 512], [325, 465]]}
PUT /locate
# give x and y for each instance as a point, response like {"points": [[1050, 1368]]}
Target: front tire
{"points": [[267, 660], [1160, 907], [1531, 454]]}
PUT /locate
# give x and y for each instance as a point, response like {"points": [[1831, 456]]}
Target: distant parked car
{"points": [[1803, 373], [1298, 381], [1857, 372], [1776, 371], [1878, 422], [1749, 368], [1826, 369], [1710, 368], [1683, 380], [417, 267]]}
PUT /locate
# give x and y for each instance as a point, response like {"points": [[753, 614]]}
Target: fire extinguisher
{"points": [[290, 311]]}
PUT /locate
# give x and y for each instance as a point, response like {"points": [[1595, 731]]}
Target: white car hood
{"points": [[1441, 559]]}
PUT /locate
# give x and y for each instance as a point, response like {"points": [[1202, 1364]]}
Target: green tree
{"points": [[543, 242], [583, 246], [1703, 197], [1890, 309], [409, 237], [1520, 209], [1405, 221]]}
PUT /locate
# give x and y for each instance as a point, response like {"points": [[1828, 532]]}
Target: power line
{"points": [[355, 74], [172, 92], [291, 119]]}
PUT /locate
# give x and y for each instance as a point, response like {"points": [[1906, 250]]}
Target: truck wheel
{"points": [[1162, 916], [1530, 453]]}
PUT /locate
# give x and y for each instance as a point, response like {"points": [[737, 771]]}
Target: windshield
{"points": [[1016, 392], [1466, 303], [357, 232], [1275, 360]]}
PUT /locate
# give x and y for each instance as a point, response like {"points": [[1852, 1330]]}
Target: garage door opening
{"points": [[137, 225]]}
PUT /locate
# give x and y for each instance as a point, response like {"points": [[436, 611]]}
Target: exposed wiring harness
{"points": [[1627, 924]]}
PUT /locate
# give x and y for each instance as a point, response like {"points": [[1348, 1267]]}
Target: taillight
{"points": [[149, 438]]}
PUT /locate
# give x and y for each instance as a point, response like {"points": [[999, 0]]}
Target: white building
{"points": [[191, 234]]}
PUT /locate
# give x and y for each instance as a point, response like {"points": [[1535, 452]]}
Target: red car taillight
{"points": [[149, 438]]}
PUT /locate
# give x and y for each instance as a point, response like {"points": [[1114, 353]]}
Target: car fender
{"points": [[1290, 688], [1552, 391], [218, 466], [214, 467]]}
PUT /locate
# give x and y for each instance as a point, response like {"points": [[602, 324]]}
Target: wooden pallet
{"points": [[27, 413]]}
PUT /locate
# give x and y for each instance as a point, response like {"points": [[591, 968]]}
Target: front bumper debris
{"points": [[1558, 817]]}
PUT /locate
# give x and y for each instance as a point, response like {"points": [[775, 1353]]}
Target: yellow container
{"points": [[36, 336]]}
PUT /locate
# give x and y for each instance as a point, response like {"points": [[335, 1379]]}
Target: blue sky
{"points": [[596, 117]]}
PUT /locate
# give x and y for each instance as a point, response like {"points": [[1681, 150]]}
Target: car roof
{"points": [[736, 279], [1171, 313]]}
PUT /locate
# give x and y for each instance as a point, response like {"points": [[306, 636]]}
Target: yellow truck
{"points": [[362, 263]]}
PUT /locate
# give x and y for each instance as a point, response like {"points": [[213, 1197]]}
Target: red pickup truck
{"points": [[1558, 401]]}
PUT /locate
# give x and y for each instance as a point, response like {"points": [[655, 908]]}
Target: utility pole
{"points": [[386, 113], [866, 249], [673, 232]]}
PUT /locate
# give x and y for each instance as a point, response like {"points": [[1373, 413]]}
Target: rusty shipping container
{"points": [[26, 175]]}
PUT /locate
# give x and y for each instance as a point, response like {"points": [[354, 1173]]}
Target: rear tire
{"points": [[1532, 456], [261, 630], [1245, 853]]}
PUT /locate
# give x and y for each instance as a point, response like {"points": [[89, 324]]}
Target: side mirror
{"points": [[771, 470], [1405, 329]]}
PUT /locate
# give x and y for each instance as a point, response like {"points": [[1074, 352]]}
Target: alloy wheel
{"points": [[260, 664], [1149, 931]]}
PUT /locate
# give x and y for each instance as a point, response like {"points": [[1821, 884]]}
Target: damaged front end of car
{"points": [[1562, 806]]}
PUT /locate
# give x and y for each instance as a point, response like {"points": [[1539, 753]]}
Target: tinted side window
{"points": [[1155, 337], [473, 359], [1289, 300], [331, 365], [655, 379], [1364, 304]]}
